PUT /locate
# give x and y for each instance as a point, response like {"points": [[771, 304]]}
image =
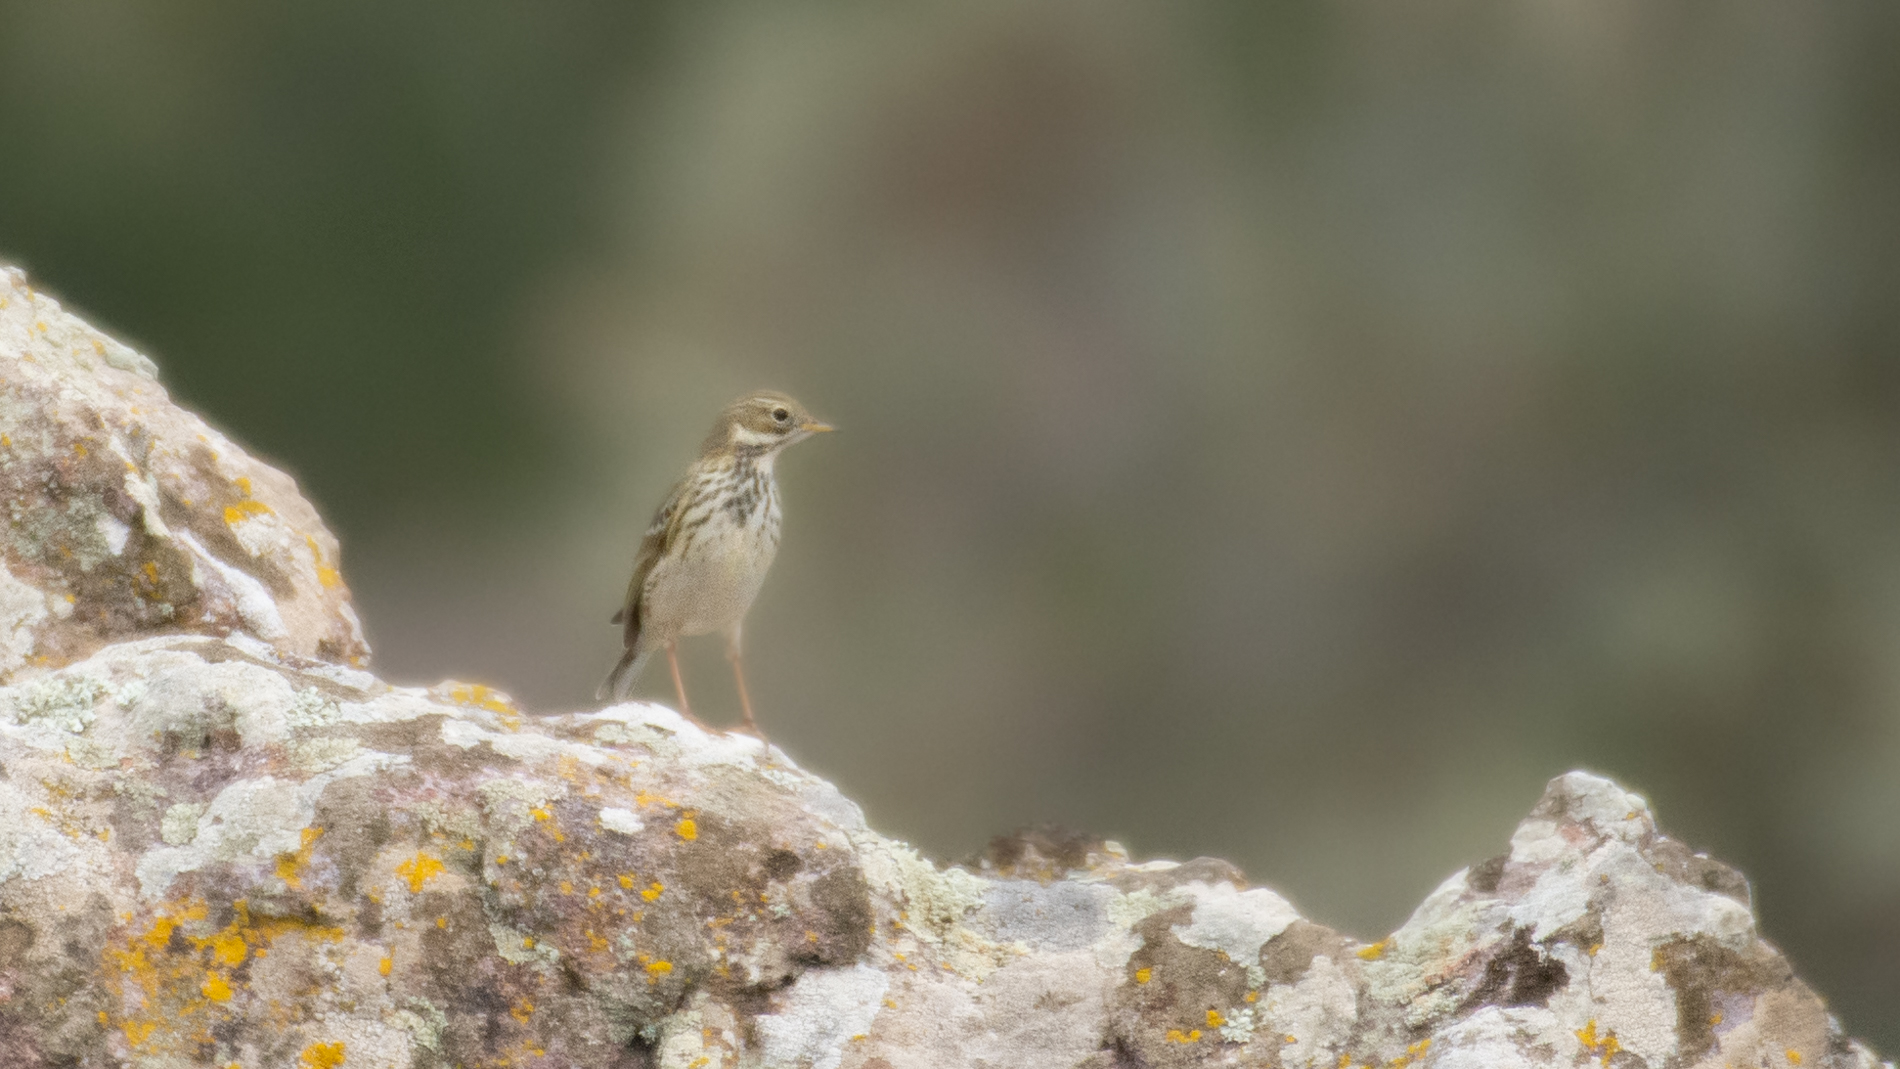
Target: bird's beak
{"points": [[815, 427]]}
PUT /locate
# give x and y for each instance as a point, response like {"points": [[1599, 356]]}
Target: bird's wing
{"points": [[653, 545]]}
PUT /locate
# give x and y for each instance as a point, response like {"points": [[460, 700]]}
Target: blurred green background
{"points": [[1284, 432]]}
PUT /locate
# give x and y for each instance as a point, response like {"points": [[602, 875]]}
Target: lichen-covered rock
{"points": [[129, 516], [217, 849]]}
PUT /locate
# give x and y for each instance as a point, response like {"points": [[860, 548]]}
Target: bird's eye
{"points": [[781, 415]]}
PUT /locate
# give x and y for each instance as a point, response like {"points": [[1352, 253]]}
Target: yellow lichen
{"points": [[176, 971], [323, 1055], [1214, 1019], [228, 948], [1143, 975], [653, 891], [244, 510], [290, 866], [1373, 952], [687, 828], [659, 968], [482, 697], [419, 870], [1175, 1035], [384, 966], [326, 575], [1604, 1047]]}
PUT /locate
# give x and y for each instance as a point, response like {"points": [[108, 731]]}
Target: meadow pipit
{"points": [[705, 554]]}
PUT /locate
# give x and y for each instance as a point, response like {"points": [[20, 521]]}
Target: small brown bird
{"points": [[706, 553]]}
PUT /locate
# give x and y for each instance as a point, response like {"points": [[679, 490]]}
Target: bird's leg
{"points": [[679, 683], [738, 675]]}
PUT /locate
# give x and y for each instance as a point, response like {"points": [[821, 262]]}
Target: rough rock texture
{"points": [[222, 845], [130, 517]]}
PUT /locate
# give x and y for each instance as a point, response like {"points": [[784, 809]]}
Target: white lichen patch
{"points": [[31, 846], [1239, 1025], [253, 820], [670, 736], [180, 824], [22, 610], [64, 702], [311, 709], [1314, 1017], [816, 1017], [624, 821], [1235, 922], [323, 754], [512, 804], [935, 900]]}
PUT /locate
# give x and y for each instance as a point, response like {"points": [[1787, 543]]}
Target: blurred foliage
{"points": [[1282, 431]]}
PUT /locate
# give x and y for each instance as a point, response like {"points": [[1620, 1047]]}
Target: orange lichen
{"points": [[482, 697], [419, 870], [181, 973], [384, 966], [323, 1055], [1604, 1047], [1794, 1057], [290, 866], [244, 510], [228, 948], [521, 1011], [326, 575]]}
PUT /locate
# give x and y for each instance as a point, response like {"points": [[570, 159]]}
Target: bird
{"points": [[705, 555]]}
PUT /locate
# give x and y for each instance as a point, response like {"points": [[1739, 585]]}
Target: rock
{"points": [[222, 844], [131, 517]]}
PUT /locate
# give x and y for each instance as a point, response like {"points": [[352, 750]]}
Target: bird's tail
{"points": [[620, 680]]}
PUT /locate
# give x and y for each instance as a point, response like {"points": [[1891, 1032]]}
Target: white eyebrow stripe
{"points": [[744, 435]]}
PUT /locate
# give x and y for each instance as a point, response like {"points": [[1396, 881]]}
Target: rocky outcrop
{"points": [[129, 516], [223, 843]]}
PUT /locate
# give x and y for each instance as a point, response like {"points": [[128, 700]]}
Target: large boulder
{"points": [[224, 843]]}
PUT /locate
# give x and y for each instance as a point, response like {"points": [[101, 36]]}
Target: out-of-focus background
{"points": [[1284, 432]]}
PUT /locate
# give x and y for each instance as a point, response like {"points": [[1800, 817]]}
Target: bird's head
{"points": [[762, 422]]}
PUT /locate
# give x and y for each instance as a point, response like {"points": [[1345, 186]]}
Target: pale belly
{"points": [[711, 588]]}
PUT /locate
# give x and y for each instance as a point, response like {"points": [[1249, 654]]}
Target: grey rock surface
{"points": [[224, 843]]}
